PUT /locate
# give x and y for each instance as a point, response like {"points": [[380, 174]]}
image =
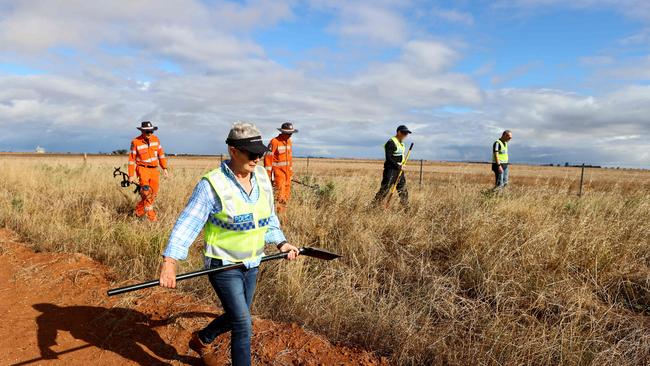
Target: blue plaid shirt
{"points": [[205, 202]]}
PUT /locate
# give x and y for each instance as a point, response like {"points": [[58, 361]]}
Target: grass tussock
{"points": [[531, 276]]}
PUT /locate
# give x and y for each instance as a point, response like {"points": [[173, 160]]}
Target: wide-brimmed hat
{"points": [[251, 144], [147, 126], [287, 128]]}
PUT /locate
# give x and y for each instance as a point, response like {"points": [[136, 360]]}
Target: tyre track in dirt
{"points": [[55, 311]]}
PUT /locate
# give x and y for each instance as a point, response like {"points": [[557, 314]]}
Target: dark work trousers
{"points": [[388, 179]]}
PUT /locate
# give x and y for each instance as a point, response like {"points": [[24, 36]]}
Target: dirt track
{"points": [[55, 311]]}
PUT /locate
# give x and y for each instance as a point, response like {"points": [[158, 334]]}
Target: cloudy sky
{"points": [[570, 78]]}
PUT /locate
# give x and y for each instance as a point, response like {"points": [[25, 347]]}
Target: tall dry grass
{"points": [[532, 276]]}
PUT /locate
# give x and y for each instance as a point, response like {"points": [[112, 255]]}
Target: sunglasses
{"points": [[251, 155]]}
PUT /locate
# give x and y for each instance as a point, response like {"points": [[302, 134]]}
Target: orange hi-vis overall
{"points": [[145, 156], [279, 166]]}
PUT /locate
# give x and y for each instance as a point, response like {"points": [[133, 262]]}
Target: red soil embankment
{"points": [[55, 311]]}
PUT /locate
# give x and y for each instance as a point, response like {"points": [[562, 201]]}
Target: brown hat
{"points": [[287, 128], [147, 126]]}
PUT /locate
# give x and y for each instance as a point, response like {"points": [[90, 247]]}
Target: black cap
{"points": [[250, 144], [147, 126], [287, 128], [402, 128]]}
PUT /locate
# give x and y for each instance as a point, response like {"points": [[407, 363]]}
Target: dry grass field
{"points": [[534, 276]]}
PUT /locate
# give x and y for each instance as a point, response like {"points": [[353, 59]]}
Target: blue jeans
{"points": [[235, 289], [501, 179]]}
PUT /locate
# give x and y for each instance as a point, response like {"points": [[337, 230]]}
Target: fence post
{"points": [[582, 178], [421, 161], [307, 166]]}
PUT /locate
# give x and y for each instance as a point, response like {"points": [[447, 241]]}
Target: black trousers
{"points": [[388, 179]]}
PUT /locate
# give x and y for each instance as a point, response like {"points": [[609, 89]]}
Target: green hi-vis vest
{"points": [[400, 148], [502, 154], [237, 232]]}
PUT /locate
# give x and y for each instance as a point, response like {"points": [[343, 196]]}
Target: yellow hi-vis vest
{"points": [[502, 154], [400, 148], [236, 234]]}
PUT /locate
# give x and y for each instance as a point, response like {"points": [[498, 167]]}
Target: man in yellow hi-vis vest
{"points": [[500, 161], [234, 203], [395, 155]]}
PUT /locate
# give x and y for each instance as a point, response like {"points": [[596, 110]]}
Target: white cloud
{"points": [[574, 126], [380, 22], [420, 78], [201, 106], [93, 99], [189, 30]]}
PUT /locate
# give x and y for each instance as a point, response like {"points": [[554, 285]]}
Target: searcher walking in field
{"points": [[395, 153], [145, 155], [500, 165], [234, 206], [279, 164]]}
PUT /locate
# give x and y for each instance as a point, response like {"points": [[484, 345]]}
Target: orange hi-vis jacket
{"points": [[146, 152], [280, 157]]}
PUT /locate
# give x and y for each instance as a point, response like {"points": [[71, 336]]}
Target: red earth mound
{"points": [[55, 311]]}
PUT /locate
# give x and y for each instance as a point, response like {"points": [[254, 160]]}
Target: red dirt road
{"points": [[55, 311]]}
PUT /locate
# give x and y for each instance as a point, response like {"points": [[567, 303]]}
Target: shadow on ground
{"points": [[119, 330]]}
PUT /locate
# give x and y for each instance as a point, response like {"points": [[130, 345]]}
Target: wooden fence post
{"points": [[582, 178], [421, 162]]}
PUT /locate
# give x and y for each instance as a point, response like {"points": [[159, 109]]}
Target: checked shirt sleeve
{"points": [[274, 234], [191, 221]]}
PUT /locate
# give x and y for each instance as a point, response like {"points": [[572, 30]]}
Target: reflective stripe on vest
{"points": [[237, 232], [146, 160], [502, 154], [280, 163], [399, 151]]}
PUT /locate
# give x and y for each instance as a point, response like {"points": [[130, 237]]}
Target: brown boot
{"points": [[204, 350]]}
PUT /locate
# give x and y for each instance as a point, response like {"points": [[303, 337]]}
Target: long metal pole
{"points": [[582, 178], [306, 251], [184, 276], [307, 166]]}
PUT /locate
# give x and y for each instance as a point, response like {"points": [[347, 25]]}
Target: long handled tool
{"points": [[125, 179], [306, 251], [399, 176], [315, 186]]}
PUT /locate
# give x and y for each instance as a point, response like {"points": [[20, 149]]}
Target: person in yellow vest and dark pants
{"points": [[395, 153], [500, 161], [233, 205]]}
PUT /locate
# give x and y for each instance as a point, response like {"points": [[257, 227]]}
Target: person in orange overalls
{"points": [[279, 165], [145, 156]]}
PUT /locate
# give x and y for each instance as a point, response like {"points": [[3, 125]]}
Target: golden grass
{"points": [[532, 276]]}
